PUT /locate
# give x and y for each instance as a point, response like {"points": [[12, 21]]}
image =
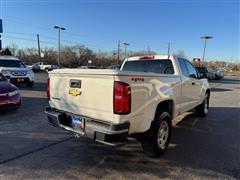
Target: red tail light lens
{"points": [[122, 98], [48, 88]]}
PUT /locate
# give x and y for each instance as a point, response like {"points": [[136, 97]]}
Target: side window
{"points": [[191, 70], [183, 67]]}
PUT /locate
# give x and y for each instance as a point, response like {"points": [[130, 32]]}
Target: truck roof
{"points": [[9, 58]]}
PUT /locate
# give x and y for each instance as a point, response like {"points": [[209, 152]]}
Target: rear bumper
{"points": [[111, 134], [10, 104]]}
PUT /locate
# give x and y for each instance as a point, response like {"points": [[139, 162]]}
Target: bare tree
{"points": [[6, 52]]}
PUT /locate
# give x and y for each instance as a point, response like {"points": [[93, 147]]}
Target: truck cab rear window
{"points": [[153, 66]]}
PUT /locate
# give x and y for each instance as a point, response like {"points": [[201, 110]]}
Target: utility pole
{"points": [[59, 43], [169, 46], [204, 49], [149, 52], [205, 44], [39, 50], [118, 53], [126, 45]]}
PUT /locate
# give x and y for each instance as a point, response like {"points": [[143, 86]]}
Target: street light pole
{"points": [[205, 44], [126, 45], [59, 42], [169, 46]]}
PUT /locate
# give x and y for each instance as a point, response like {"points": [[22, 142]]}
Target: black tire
{"points": [[150, 139], [30, 84], [202, 109]]}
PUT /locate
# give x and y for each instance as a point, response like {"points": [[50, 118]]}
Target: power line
{"points": [[19, 33], [22, 22], [119, 2], [26, 39], [53, 44], [41, 28], [43, 42], [63, 40], [80, 36]]}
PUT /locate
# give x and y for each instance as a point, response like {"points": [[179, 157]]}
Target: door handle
{"points": [[193, 83]]}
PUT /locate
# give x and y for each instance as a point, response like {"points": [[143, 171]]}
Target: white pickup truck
{"points": [[138, 101], [43, 66]]}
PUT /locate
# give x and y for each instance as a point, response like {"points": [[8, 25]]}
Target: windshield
{"points": [[154, 66], [11, 63]]}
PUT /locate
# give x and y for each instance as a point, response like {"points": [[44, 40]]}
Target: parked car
{"points": [[36, 68], [217, 74], [44, 66], [211, 74], [220, 73], [30, 66], [55, 67], [15, 70], [138, 101], [88, 67], [9, 95], [114, 66], [202, 71]]}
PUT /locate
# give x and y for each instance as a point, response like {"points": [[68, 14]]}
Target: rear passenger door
{"points": [[186, 100], [190, 85], [195, 84]]}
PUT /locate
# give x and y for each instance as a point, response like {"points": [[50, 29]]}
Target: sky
{"points": [[100, 24]]}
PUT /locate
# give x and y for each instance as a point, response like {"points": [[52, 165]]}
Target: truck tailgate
{"points": [[90, 95]]}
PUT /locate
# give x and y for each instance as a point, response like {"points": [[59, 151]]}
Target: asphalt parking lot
{"points": [[201, 148]]}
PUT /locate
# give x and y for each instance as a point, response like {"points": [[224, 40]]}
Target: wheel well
{"points": [[166, 106]]}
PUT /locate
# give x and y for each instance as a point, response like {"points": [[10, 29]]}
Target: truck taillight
{"points": [[121, 98], [147, 58], [48, 88]]}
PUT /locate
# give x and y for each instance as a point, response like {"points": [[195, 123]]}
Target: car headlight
{"points": [[6, 72], [13, 93]]}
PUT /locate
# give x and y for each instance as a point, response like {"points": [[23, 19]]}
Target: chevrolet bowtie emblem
{"points": [[75, 92]]}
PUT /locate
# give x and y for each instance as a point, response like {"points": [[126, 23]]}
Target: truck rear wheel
{"points": [[202, 109], [155, 141]]}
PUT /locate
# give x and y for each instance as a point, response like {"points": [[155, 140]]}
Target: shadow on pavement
{"points": [[206, 147], [215, 89], [226, 81]]}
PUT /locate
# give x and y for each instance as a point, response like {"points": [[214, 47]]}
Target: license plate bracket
{"points": [[77, 121]]}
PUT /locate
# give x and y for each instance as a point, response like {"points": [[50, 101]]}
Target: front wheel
{"points": [[202, 109], [155, 141]]}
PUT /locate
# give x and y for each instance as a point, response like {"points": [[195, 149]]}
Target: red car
{"points": [[9, 95]]}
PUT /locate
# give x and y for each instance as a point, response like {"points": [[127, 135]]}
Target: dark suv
{"points": [[202, 71]]}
